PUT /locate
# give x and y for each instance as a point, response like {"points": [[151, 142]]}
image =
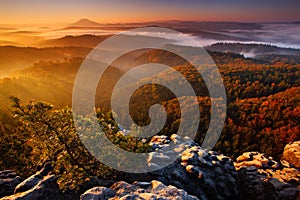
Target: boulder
{"points": [[264, 178], [138, 190], [8, 182], [251, 184], [268, 184], [92, 182], [287, 175], [39, 186], [98, 193], [256, 159], [205, 174], [291, 154], [45, 189], [33, 180]]}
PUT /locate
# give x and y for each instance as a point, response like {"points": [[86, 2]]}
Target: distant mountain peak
{"points": [[85, 23]]}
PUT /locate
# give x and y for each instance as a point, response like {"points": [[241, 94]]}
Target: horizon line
{"points": [[153, 21]]}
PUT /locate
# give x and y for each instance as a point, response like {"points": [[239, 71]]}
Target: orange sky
{"points": [[119, 11]]}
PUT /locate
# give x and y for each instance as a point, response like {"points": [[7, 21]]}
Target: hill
{"points": [[85, 23], [13, 58], [89, 41], [50, 81], [252, 50]]}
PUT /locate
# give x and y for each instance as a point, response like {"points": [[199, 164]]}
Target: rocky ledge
{"points": [[138, 190], [196, 174], [263, 178]]}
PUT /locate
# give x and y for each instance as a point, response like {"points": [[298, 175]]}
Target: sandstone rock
{"points": [[137, 191], [33, 180], [251, 184], [286, 175], [291, 154], [255, 159], [268, 184], [98, 193], [8, 181], [92, 182], [39, 186], [205, 174], [263, 178], [45, 189], [122, 188]]}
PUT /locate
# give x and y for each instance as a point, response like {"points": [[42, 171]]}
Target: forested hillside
{"points": [[263, 109]]}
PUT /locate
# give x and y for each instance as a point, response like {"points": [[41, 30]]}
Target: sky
{"points": [[120, 11]]}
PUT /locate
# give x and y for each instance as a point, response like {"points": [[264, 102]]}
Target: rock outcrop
{"points": [[263, 178], [38, 186], [196, 174], [8, 182], [205, 174], [46, 189], [33, 180], [257, 160], [137, 191], [291, 154]]}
